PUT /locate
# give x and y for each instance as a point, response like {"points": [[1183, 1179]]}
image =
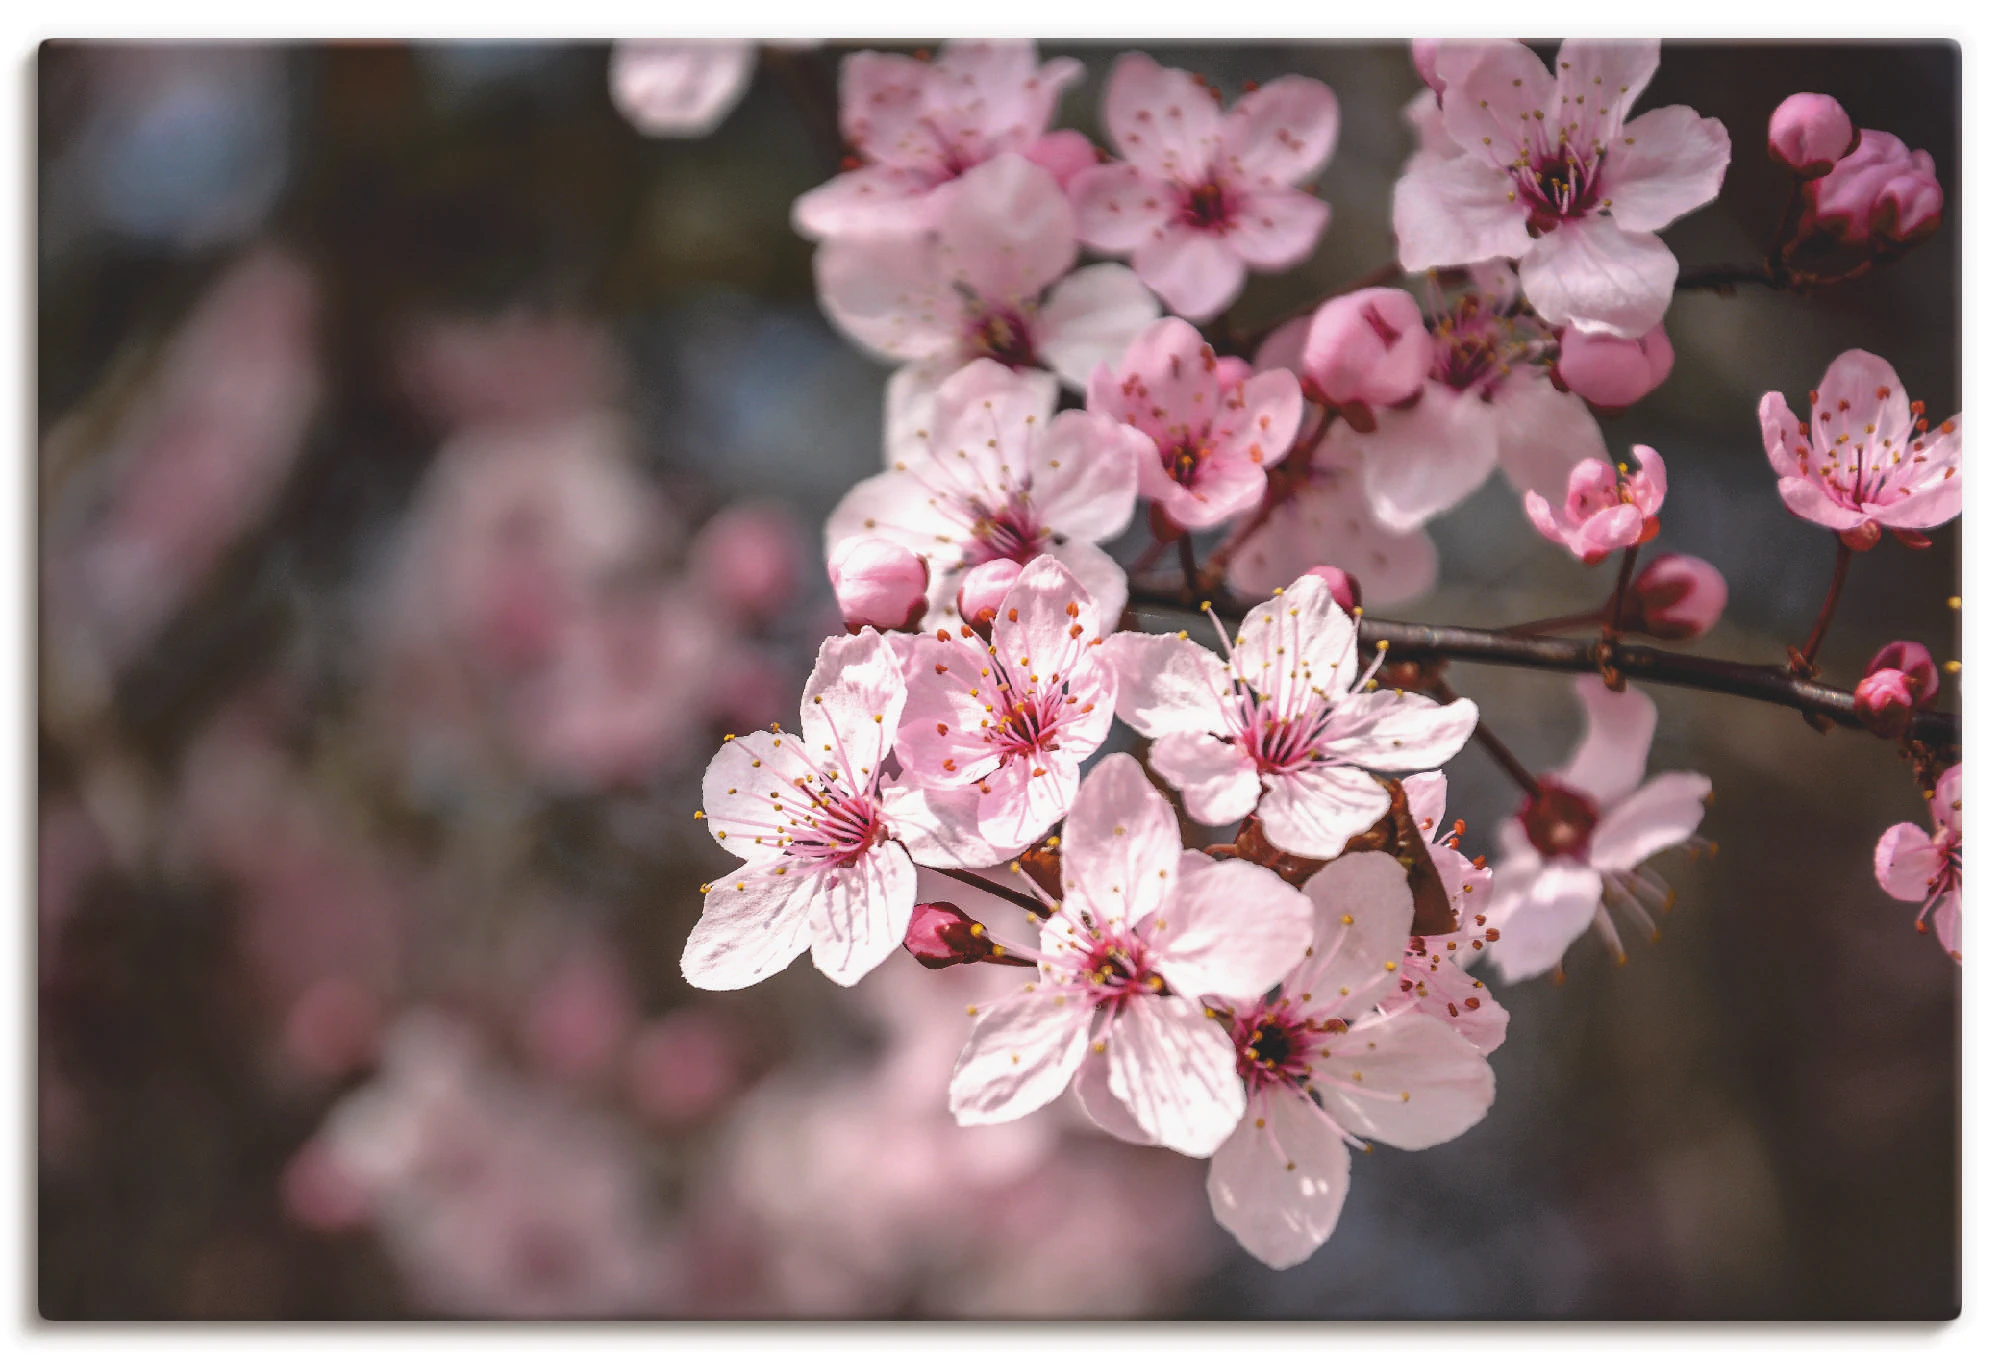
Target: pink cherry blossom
{"points": [[1345, 589], [1287, 726], [1900, 679], [810, 818], [1913, 866], [1867, 459], [1607, 508], [993, 472], [1201, 197], [1580, 843], [1143, 932], [1880, 192], [679, 89], [1486, 399], [1214, 437], [1434, 980], [1322, 1068], [991, 281], [1550, 172], [917, 126], [1014, 718]]}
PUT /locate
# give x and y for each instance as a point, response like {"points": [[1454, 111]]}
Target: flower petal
{"points": [[1542, 433], [1421, 461], [1020, 1054], [1119, 206], [1280, 133], [861, 912], [1662, 814], [1196, 274], [1906, 862], [1175, 1069], [1315, 810], [1106, 1110], [1807, 498], [1085, 476], [1406, 1079], [1664, 164], [1121, 844], [1387, 730], [852, 703], [1362, 909], [875, 200], [1006, 231], [1277, 228], [1278, 1183], [1090, 318], [1456, 210], [1168, 684], [1159, 119], [889, 294], [1600, 278], [752, 924], [1217, 782], [1617, 734], [1231, 929], [1539, 908]]}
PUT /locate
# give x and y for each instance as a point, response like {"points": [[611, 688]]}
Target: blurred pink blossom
{"points": [[679, 89]]}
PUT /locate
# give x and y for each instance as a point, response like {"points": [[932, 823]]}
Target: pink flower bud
{"points": [[1810, 132], [1612, 373], [1368, 346], [1675, 598], [941, 935], [982, 589], [1346, 589], [878, 584], [1882, 192], [1424, 56], [1912, 659], [1884, 702]]}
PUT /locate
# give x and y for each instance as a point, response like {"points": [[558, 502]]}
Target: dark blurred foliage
{"points": [[1757, 1118]]}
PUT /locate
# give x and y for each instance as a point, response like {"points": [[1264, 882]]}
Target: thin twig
{"points": [[1032, 905], [1494, 746], [1803, 663]]}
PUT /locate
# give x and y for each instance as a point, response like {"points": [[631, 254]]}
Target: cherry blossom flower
{"points": [[1580, 843], [1867, 460], [917, 126], [679, 89], [1607, 508], [809, 816], [1287, 726], [1913, 866], [878, 584], [992, 281], [1323, 1068], [993, 472], [1550, 172], [1014, 718], [1143, 931], [1487, 399], [1214, 437], [1434, 980], [1201, 196]]}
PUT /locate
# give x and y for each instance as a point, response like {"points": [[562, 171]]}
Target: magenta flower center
{"points": [[1208, 207], [1010, 532], [835, 831], [1184, 457], [1559, 820], [1003, 336], [1558, 185], [1473, 346], [1273, 1046], [1117, 969]]}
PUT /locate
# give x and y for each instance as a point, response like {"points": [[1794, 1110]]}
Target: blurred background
{"points": [[431, 470]]}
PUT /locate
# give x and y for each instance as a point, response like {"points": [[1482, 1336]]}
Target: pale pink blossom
{"points": [[918, 126], [1550, 172], [816, 828], [991, 471], [1607, 508], [1434, 980], [1142, 933], [1674, 597], [1867, 459], [1215, 431], [1201, 197], [1323, 1068], [751, 558], [679, 89], [1810, 132], [1580, 843], [1880, 192], [1287, 726], [1016, 717], [1913, 866], [992, 279], [1486, 399]]}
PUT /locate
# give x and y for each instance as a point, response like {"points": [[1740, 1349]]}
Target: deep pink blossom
{"points": [[1214, 438], [1321, 1067], [1016, 717], [679, 89], [1144, 931], [1552, 172], [1913, 866], [1201, 196], [1674, 597], [990, 471], [1810, 132], [918, 126], [1867, 460], [993, 280], [1607, 508], [1287, 726], [1881, 192], [1581, 841], [1899, 680]]}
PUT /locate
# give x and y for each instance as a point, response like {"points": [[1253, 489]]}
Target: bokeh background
{"points": [[431, 470]]}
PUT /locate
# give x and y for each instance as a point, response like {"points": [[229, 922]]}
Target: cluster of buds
{"points": [[1863, 187]]}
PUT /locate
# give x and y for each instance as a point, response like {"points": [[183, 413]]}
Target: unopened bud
{"points": [[1346, 589], [1882, 192], [1884, 702], [1368, 346], [878, 584], [1675, 598], [1810, 133], [941, 935], [1912, 659], [983, 590], [1612, 373]]}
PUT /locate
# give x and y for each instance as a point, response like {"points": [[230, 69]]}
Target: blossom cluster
{"points": [[1245, 928]]}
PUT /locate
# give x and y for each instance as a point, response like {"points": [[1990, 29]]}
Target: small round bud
{"points": [[1882, 192], [1810, 132], [1612, 373], [1368, 346], [941, 935], [1912, 659], [983, 590], [1346, 589], [1675, 598], [1884, 702], [878, 584]]}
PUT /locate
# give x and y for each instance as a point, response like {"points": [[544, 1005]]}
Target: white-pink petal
{"points": [[1278, 1183], [1195, 273], [1168, 684], [1593, 274], [752, 924], [1422, 460], [1661, 814], [1021, 1053], [1280, 133], [1121, 843], [1090, 318], [1539, 910], [1231, 929], [1313, 811], [860, 912], [1406, 1079], [1217, 782], [1618, 727], [1663, 165], [1175, 1070], [1455, 210]]}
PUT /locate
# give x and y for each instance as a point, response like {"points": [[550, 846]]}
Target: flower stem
{"points": [[1027, 903], [1802, 661], [1494, 746], [1617, 609]]}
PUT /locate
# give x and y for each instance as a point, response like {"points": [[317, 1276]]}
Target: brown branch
{"points": [[1027, 903]]}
